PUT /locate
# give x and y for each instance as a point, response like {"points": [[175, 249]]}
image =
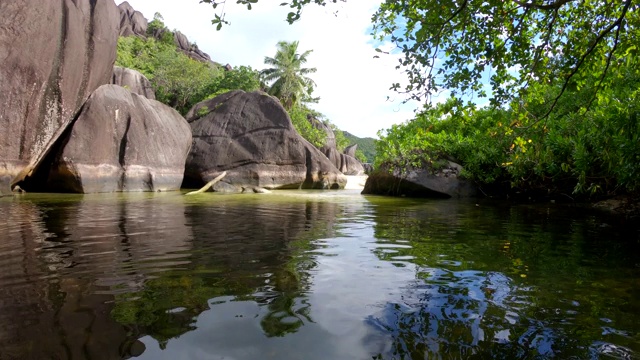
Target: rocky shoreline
{"points": [[75, 123]]}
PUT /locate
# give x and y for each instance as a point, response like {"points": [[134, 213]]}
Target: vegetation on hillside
{"points": [[181, 82], [366, 147], [178, 80]]}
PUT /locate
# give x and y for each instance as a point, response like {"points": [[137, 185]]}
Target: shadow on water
{"points": [[508, 282]]}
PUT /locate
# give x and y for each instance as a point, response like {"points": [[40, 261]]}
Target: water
{"points": [[313, 275]]}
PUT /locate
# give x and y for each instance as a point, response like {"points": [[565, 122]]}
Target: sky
{"points": [[353, 86]]}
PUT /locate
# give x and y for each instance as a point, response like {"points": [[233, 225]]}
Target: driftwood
{"points": [[209, 185]]}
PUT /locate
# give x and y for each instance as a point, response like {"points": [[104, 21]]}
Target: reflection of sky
{"points": [[230, 331], [349, 284], [361, 306], [357, 303]]}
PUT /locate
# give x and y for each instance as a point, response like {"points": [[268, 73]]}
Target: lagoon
{"points": [[313, 275]]}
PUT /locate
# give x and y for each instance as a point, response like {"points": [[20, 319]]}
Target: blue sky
{"points": [[352, 84]]}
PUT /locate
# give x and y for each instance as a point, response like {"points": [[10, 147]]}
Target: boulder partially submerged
{"points": [[251, 137], [120, 142], [428, 182], [53, 55]]}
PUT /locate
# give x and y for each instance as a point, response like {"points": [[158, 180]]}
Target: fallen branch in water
{"points": [[209, 184]]}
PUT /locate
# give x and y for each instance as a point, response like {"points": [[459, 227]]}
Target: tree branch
{"points": [[437, 47], [606, 68], [551, 6], [598, 39]]}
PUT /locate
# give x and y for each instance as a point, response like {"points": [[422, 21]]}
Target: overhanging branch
{"points": [[546, 7]]}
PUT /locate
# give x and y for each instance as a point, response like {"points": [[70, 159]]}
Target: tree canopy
{"points": [[461, 45], [288, 77], [455, 45]]}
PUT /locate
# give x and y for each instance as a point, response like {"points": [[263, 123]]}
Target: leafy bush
{"points": [[178, 80], [586, 146], [298, 114], [240, 78], [361, 156]]}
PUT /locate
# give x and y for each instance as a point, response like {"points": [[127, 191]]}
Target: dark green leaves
{"points": [[457, 44]]}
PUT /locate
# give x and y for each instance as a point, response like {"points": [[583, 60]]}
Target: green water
{"points": [[313, 275]]}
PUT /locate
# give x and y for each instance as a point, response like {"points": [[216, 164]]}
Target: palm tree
{"points": [[290, 83]]}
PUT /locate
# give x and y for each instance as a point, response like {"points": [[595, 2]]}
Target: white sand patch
{"points": [[356, 182]]}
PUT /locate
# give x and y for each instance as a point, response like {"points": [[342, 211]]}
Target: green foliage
{"points": [[299, 117], [361, 156], [178, 80], [468, 136], [341, 141], [594, 147], [240, 78], [181, 81], [156, 27], [155, 24], [289, 79], [366, 147], [587, 146], [203, 111], [455, 45]]}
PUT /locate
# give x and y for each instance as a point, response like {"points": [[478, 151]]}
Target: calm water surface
{"points": [[313, 275]]}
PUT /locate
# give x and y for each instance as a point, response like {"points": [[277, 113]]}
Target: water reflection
{"points": [[312, 275], [87, 261], [63, 259], [534, 307]]}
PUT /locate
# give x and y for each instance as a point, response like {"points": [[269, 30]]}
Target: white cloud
{"points": [[353, 86]]}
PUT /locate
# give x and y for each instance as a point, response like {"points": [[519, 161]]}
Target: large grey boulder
{"points": [[53, 54], [443, 182], [133, 81], [345, 162], [251, 137], [120, 142], [132, 22]]}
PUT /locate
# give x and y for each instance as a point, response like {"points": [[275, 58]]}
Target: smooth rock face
{"points": [[132, 22], [441, 183], [351, 150], [133, 81], [53, 54], [121, 142], [346, 163], [250, 136]]}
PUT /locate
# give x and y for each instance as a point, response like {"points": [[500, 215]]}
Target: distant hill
{"points": [[366, 145]]}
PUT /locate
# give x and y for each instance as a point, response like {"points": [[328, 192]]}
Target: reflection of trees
{"points": [[491, 282], [247, 248]]}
